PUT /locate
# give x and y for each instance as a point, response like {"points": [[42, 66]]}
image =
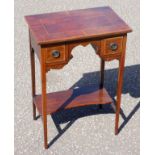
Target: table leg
{"points": [[32, 60], [44, 114], [102, 73], [119, 85], [102, 76]]}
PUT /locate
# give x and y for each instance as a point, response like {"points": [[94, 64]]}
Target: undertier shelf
{"points": [[71, 98]]}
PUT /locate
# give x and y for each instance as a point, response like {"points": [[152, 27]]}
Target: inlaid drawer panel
{"points": [[111, 46], [56, 54]]}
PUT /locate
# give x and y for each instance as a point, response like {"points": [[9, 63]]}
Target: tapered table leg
{"points": [[119, 85], [102, 77], [43, 83], [32, 60]]}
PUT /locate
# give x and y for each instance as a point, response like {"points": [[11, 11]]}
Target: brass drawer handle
{"points": [[113, 46], [56, 53]]}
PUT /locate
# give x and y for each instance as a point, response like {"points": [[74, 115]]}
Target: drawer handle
{"points": [[56, 54], [113, 46]]}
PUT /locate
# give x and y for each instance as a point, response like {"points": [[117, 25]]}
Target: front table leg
{"points": [[43, 83], [119, 85]]}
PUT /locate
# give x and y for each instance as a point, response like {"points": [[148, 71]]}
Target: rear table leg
{"points": [[102, 77], [32, 60]]}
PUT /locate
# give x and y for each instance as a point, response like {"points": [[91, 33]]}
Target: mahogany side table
{"points": [[52, 37]]}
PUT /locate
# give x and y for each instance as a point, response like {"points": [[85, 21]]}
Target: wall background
{"points": [[91, 135]]}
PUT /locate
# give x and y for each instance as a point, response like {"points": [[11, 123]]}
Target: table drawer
{"points": [[111, 46], [56, 54]]}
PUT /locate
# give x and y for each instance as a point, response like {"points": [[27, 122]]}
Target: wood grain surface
{"points": [[73, 98], [77, 24]]}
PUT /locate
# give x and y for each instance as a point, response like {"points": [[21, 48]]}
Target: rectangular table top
{"points": [[77, 24]]}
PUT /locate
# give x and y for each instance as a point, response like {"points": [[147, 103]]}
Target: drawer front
{"points": [[111, 46], [56, 54]]}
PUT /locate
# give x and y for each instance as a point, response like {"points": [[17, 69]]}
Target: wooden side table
{"points": [[52, 37]]}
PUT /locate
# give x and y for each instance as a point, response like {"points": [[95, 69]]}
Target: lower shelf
{"points": [[73, 98]]}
